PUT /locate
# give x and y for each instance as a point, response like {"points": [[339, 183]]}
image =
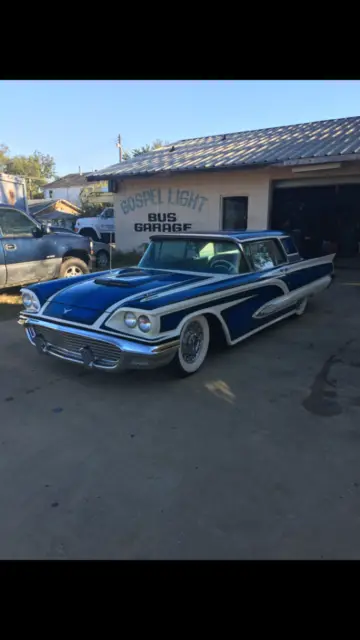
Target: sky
{"points": [[77, 122]]}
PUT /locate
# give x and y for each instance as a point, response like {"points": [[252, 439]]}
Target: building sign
{"points": [[163, 223], [167, 221], [157, 197]]}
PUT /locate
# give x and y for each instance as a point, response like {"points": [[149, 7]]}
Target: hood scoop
{"points": [[128, 278]]}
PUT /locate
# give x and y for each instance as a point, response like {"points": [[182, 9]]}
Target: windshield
{"points": [[194, 255]]}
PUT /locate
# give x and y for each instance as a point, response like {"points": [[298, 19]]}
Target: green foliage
{"points": [[128, 259], [145, 149], [85, 194], [90, 209], [4, 156], [37, 169]]}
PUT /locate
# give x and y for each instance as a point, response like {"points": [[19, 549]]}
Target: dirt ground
{"points": [[256, 456], [10, 304]]}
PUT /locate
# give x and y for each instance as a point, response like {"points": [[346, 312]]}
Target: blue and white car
{"points": [[187, 291]]}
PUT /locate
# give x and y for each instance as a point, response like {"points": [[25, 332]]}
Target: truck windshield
{"points": [[200, 255]]}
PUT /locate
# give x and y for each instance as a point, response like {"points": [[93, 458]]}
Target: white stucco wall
{"points": [[71, 194], [196, 199], [185, 203]]}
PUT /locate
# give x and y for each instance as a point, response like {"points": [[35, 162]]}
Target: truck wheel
{"points": [[102, 260], [88, 233], [72, 267], [105, 237]]}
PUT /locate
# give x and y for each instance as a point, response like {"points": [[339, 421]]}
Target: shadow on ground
{"points": [[10, 304]]}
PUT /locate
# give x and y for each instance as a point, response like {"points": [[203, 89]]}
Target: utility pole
{"points": [[118, 144]]}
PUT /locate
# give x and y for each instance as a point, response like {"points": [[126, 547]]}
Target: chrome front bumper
{"points": [[95, 350]]}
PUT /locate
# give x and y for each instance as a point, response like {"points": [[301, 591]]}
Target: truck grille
{"points": [[70, 345]]}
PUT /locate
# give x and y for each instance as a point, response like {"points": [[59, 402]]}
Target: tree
{"points": [[92, 206], [37, 169], [145, 149], [4, 156]]}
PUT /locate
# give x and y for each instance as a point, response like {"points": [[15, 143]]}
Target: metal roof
{"points": [[70, 180], [37, 206], [324, 141]]}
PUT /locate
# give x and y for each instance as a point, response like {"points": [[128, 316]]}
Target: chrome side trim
{"points": [[264, 326], [283, 302]]}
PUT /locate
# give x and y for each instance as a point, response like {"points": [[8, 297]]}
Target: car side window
{"points": [[264, 254], [208, 251], [277, 252], [14, 223], [258, 255], [289, 245], [108, 213]]}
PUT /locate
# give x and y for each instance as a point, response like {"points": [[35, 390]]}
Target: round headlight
{"points": [[144, 323], [30, 301], [130, 319]]}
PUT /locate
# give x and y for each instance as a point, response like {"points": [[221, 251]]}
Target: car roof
{"points": [[226, 235]]}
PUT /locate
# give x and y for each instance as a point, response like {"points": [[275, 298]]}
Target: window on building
{"points": [[15, 223], [264, 254], [235, 213], [50, 193]]}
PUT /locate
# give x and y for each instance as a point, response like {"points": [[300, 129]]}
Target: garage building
{"points": [[302, 177]]}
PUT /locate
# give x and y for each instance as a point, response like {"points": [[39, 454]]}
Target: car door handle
{"points": [[10, 247]]}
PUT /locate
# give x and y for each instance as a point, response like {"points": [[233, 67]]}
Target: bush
{"points": [[90, 210]]}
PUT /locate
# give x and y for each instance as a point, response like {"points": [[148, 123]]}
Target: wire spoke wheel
{"points": [[192, 342], [193, 348]]}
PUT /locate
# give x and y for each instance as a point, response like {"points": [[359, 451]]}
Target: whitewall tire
{"points": [[194, 346], [301, 307]]}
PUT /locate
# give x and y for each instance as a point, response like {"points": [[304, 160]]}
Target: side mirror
{"points": [[38, 232]]}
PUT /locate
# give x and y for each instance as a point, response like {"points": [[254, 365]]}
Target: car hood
{"points": [[85, 301]]}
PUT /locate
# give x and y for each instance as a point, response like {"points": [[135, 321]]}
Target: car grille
{"points": [[69, 345]]}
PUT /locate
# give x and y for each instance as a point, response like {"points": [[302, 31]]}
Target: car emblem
{"points": [[66, 310]]}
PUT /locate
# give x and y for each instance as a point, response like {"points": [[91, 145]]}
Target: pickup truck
{"points": [[100, 250], [100, 227], [31, 252]]}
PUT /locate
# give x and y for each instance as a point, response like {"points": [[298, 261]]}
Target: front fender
{"points": [[90, 228], [44, 290]]}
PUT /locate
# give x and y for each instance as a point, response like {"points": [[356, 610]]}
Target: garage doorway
{"points": [[323, 218]]}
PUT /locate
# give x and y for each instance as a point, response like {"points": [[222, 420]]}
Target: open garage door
{"points": [[323, 217]]}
